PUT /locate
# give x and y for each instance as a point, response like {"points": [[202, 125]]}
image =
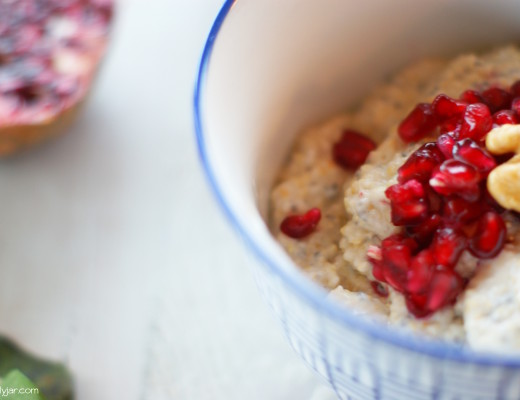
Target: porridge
{"points": [[406, 209]]}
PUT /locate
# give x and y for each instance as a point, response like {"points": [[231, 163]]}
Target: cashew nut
{"points": [[503, 182]]}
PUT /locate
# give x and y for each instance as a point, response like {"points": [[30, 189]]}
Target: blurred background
{"points": [[115, 259]]}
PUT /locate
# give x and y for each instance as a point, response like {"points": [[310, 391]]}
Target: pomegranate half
{"points": [[49, 54]]}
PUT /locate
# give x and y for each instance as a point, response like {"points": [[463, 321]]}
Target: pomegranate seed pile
{"points": [[440, 201], [48, 52]]}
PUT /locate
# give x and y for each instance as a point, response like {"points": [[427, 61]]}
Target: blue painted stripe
{"points": [[356, 390]]}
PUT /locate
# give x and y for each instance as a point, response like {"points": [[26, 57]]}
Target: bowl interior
{"points": [[276, 67]]}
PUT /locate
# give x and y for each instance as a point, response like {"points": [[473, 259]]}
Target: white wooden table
{"points": [[115, 258]]}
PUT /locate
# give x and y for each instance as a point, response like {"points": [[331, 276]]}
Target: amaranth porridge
{"points": [[405, 208]]}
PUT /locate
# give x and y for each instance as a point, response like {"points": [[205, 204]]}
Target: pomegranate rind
{"points": [[16, 138]]}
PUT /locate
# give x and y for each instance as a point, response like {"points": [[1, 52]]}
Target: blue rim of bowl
{"points": [[312, 295]]}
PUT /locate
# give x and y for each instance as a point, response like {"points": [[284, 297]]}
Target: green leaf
{"points": [[52, 379], [16, 386]]}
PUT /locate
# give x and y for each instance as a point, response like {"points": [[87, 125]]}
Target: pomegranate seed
{"points": [[397, 255], [398, 240], [477, 122], [420, 164], [420, 272], [471, 153], [444, 107], [472, 97], [515, 89], [379, 289], [458, 211], [447, 246], [490, 237], [456, 177], [375, 256], [445, 286], [416, 304], [378, 270], [423, 233], [505, 117], [351, 151], [299, 226], [434, 199], [451, 126], [408, 202], [497, 99], [445, 144], [515, 107], [418, 124]]}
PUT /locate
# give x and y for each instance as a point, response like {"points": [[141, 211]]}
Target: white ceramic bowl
{"points": [[271, 67]]}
